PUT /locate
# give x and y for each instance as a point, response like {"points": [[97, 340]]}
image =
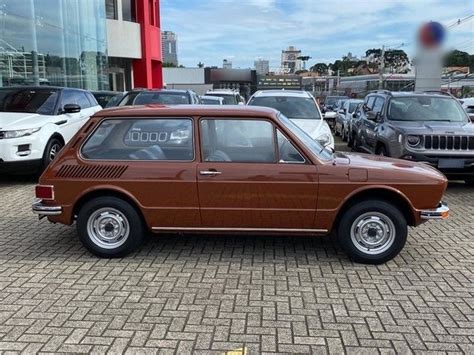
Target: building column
{"points": [[147, 71]]}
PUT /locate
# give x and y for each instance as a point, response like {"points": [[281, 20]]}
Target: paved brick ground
{"points": [[205, 294]]}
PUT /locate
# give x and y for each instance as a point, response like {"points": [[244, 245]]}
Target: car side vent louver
{"points": [[92, 172]]}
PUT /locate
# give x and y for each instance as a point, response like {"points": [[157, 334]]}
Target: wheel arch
{"points": [[58, 136], [89, 195], [387, 194]]}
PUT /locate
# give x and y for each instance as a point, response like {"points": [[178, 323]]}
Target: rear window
{"points": [[165, 98], [159, 139]]}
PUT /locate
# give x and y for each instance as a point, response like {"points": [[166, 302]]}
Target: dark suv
{"points": [[429, 127]]}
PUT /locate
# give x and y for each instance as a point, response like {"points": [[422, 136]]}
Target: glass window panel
{"points": [[245, 141], [287, 151], [146, 139]]}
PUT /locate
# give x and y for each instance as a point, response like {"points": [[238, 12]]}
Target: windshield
{"points": [[166, 98], [229, 99], [332, 100], [292, 107], [42, 101], [422, 108], [313, 145], [208, 101]]}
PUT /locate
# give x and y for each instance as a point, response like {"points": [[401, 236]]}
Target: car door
{"points": [[70, 122], [372, 125], [243, 183], [365, 123]]}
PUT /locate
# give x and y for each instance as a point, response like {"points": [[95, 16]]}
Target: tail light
{"points": [[44, 192]]}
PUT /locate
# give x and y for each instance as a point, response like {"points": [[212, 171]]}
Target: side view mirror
{"points": [[342, 111], [371, 115], [72, 108], [329, 115], [472, 118], [241, 103]]}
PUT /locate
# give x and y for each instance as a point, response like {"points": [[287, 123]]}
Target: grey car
{"points": [[428, 127], [344, 114]]}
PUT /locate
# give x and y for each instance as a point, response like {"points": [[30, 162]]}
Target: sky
{"points": [[244, 30]]}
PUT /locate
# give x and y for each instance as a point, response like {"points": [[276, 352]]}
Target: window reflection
{"points": [[53, 42]]}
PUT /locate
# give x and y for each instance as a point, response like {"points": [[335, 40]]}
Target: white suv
{"points": [[36, 122], [301, 108], [231, 97]]}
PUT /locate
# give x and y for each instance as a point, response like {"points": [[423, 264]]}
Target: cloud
{"points": [[211, 30]]}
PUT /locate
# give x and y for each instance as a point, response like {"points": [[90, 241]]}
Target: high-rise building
{"points": [[169, 47], [89, 44], [227, 64], [262, 66], [289, 60]]}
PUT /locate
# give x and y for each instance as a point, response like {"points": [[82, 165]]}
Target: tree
{"points": [[457, 58], [169, 65], [395, 59], [200, 65], [320, 68]]}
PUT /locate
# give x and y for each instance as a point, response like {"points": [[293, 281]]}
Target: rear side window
{"points": [[161, 139]]}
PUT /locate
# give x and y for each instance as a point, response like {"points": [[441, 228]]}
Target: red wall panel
{"points": [[147, 71]]}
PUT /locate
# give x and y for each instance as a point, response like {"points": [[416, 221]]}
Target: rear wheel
{"points": [[51, 151], [110, 227], [372, 232]]}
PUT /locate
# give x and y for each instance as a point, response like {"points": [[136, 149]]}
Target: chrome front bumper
{"points": [[39, 208], [441, 212]]}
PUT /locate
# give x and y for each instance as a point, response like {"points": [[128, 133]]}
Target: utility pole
{"points": [[381, 68]]}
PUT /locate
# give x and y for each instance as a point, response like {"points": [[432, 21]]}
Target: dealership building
{"points": [[90, 44]]}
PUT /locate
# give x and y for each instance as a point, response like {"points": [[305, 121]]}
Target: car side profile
{"points": [[36, 122], [229, 169], [341, 127]]}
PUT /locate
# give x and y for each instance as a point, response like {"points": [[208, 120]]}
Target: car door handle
{"points": [[210, 172]]}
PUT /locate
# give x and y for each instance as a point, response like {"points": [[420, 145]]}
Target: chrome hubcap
{"points": [[373, 233], [55, 148], [108, 228]]}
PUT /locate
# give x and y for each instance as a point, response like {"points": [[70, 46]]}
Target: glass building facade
{"points": [[53, 42]]}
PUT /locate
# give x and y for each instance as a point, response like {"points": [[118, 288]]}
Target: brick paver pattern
{"points": [[211, 294]]}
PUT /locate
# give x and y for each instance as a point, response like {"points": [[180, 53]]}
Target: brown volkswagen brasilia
{"points": [[229, 169]]}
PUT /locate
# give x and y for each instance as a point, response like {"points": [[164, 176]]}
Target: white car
{"points": [[211, 100], [231, 97], [36, 122], [301, 108]]}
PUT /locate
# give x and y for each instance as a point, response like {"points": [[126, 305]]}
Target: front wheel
{"points": [[110, 227], [372, 232]]}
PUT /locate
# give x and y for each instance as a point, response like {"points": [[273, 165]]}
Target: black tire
{"points": [[52, 149], [371, 217], [381, 150], [123, 218]]}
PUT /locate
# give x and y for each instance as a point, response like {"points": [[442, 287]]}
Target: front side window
{"points": [[142, 139], [378, 105], [42, 101], [82, 100], [425, 108], [287, 151], [291, 107], [243, 141]]}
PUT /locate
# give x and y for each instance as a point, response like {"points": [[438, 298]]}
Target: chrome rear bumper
{"points": [[39, 208], [441, 212]]}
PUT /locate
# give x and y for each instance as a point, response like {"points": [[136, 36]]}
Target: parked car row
{"points": [[428, 127]]}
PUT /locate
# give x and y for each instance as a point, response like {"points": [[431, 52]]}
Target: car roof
{"points": [[188, 110], [176, 91], [221, 92], [287, 93], [208, 97], [36, 87], [412, 93]]}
